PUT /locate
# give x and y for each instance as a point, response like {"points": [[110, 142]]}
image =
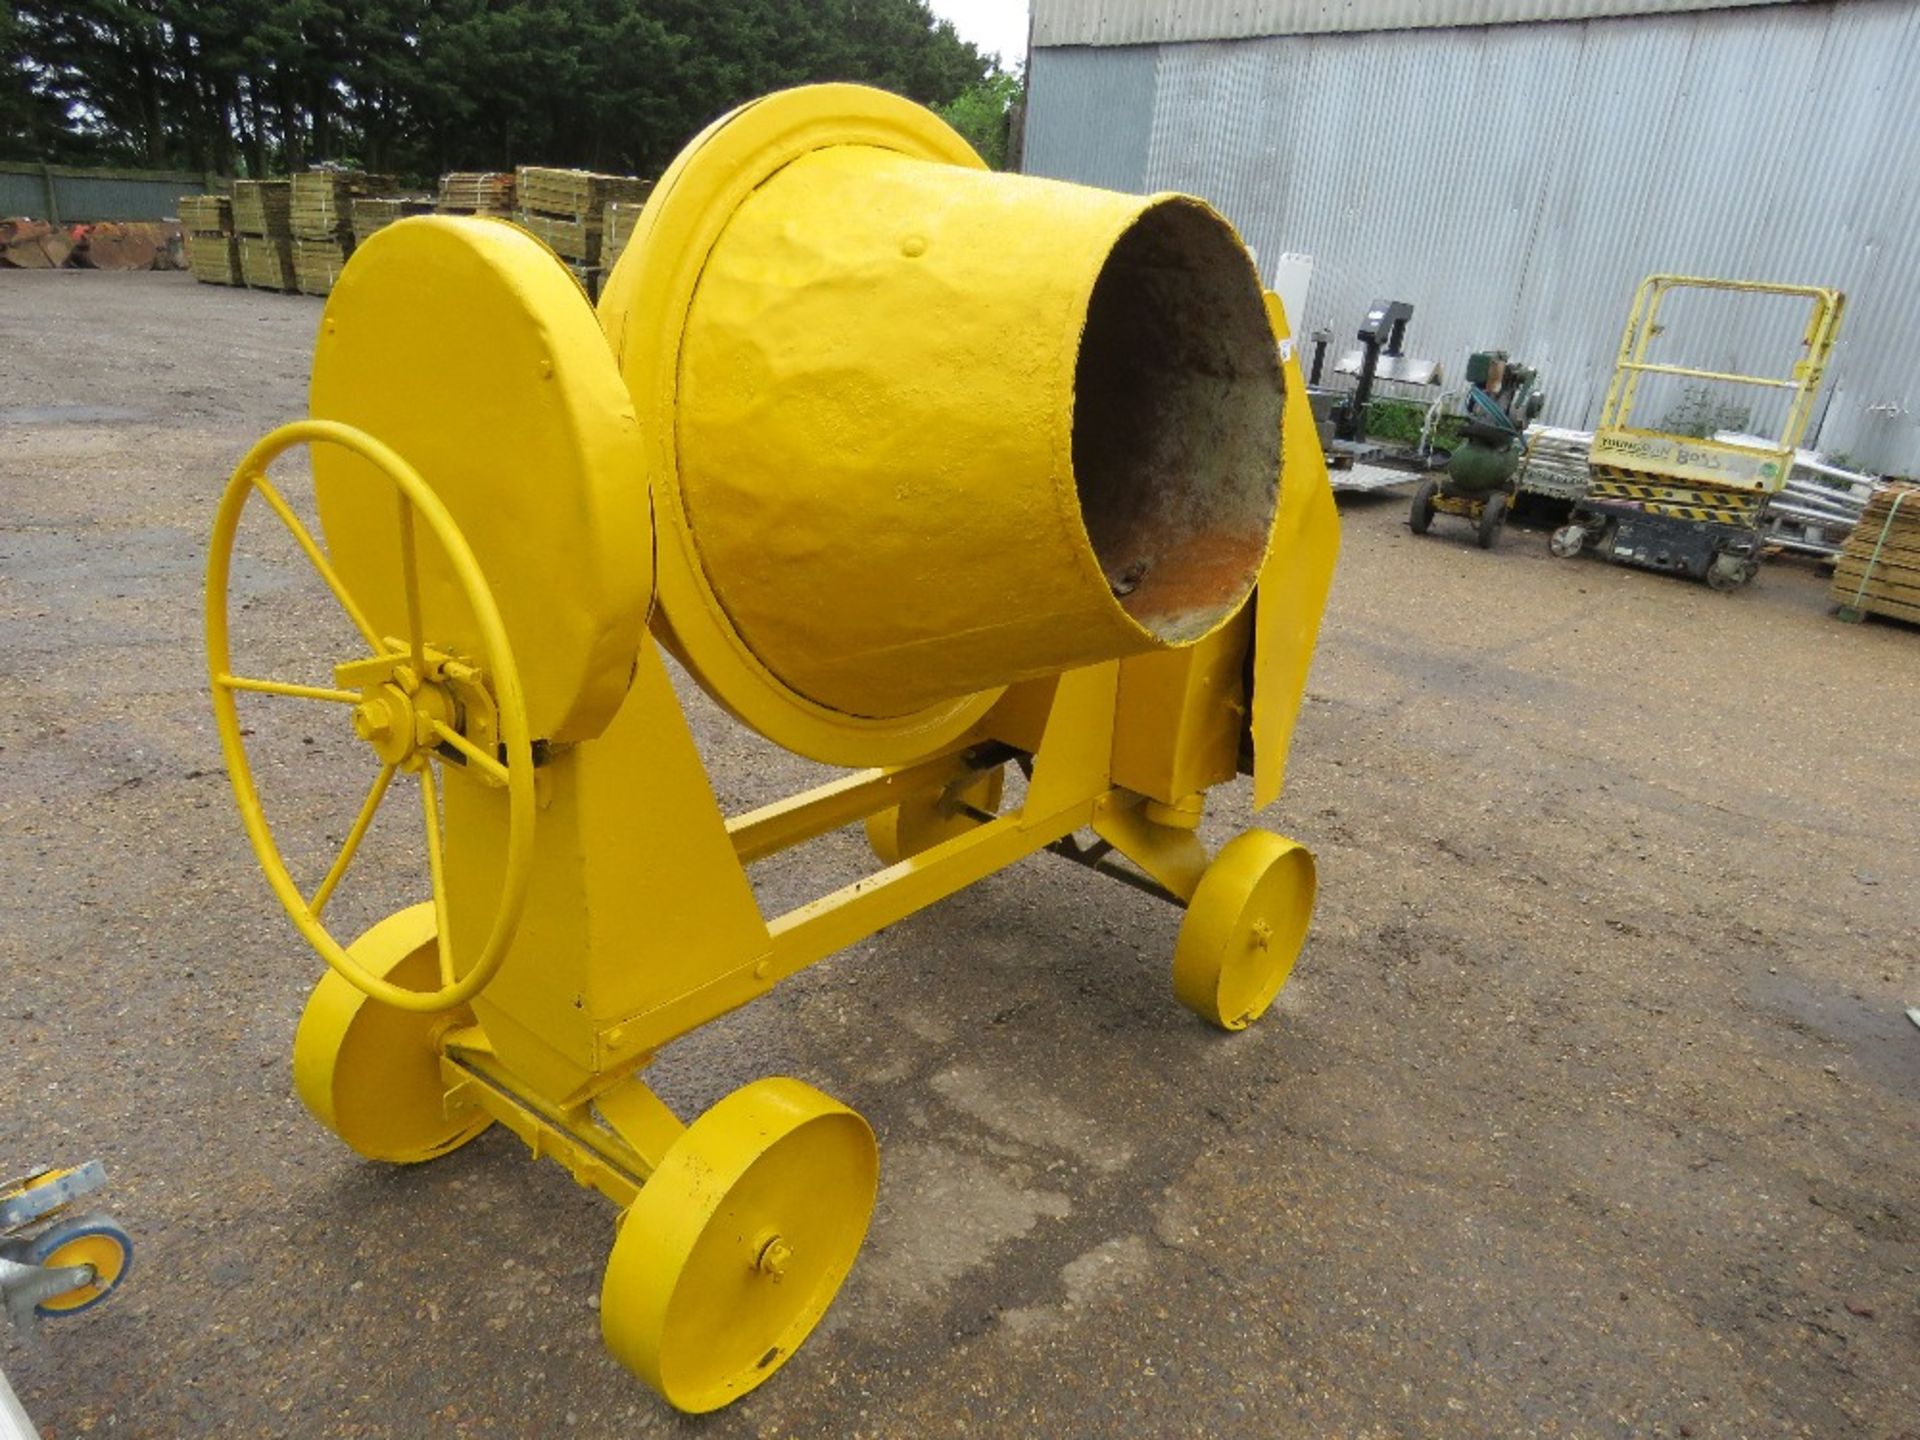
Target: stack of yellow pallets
{"points": [[1878, 572], [568, 208], [213, 252], [261, 216], [622, 216], [467, 192], [372, 213], [322, 213]]}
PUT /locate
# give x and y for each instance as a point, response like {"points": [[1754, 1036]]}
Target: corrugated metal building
{"points": [[1514, 167]]}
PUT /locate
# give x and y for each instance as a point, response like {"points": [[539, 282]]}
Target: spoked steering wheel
{"points": [[413, 704]]}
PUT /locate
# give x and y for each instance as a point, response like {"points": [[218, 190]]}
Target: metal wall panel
{"points": [[1148, 22], [1516, 182], [1099, 117], [78, 195]]}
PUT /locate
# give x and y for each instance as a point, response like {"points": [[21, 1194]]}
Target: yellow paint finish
{"points": [[1181, 715], [643, 308], [1291, 597], [414, 669], [887, 385], [636, 898], [1244, 927], [466, 348], [905, 479], [370, 1072], [1171, 854], [738, 1242]]}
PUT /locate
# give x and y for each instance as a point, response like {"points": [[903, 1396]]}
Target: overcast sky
{"points": [[995, 26]]}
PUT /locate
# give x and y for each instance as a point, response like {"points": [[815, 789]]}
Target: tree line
{"points": [[419, 87]]}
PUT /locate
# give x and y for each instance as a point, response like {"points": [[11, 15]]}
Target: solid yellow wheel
{"points": [[1244, 928], [369, 1072], [925, 820], [738, 1242]]}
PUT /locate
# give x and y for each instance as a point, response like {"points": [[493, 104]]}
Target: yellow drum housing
{"points": [[950, 473], [907, 387]]}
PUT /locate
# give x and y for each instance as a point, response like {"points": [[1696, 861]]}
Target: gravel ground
{"points": [[1590, 1110]]}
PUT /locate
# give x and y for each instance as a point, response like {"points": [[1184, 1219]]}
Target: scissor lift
{"points": [[1679, 503]]}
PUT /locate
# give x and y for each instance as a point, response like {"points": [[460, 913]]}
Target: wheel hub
{"points": [[396, 717], [408, 704]]}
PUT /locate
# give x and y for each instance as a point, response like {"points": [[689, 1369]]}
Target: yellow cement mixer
{"points": [[916, 468]]}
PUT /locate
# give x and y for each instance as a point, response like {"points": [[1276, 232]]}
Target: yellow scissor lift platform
{"points": [[1680, 503], [916, 468]]}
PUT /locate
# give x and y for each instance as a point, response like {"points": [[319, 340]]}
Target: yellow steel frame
{"points": [[1619, 443]]}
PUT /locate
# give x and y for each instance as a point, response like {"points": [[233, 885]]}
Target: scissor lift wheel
{"points": [[1244, 928], [371, 1073], [925, 820], [738, 1242]]}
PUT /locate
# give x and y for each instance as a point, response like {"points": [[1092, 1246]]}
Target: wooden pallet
{"points": [[572, 240], [266, 262], [206, 214], [263, 207], [214, 259], [468, 192], [617, 228], [1878, 570], [581, 195], [373, 213], [317, 264], [321, 205]]}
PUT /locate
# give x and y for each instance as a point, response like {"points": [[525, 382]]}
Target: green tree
{"points": [[421, 86], [983, 113]]}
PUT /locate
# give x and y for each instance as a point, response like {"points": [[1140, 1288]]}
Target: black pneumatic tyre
{"points": [[1421, 515], [1492, 516]]}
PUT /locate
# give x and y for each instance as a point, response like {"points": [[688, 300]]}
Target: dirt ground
{"points": [[1590, 1111]]}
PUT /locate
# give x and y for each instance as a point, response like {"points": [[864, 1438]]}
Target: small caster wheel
{"points": [[925, 821], [1568, 541], [1730, 572], [90, 1240], [1244, 928], [371, 1073], [737, 1244], [1493, 515], [1421, 516]]}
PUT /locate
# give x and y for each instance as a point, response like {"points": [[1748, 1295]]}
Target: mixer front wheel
{"points": [[371, 1073], [925, 821], [737, 1244], [1244, 928]]}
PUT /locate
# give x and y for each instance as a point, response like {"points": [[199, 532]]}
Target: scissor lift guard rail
{"points": [[915, 467]]}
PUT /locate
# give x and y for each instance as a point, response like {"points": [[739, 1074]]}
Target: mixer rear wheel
{"points": [[737, 1244], [924, 821], [371, 1073], [1244, 928]]}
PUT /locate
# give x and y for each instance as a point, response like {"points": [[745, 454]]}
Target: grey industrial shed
{"points": [[1514, 167]]}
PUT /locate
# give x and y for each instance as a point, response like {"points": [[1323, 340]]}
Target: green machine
{"points": [[1502, 398]]}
